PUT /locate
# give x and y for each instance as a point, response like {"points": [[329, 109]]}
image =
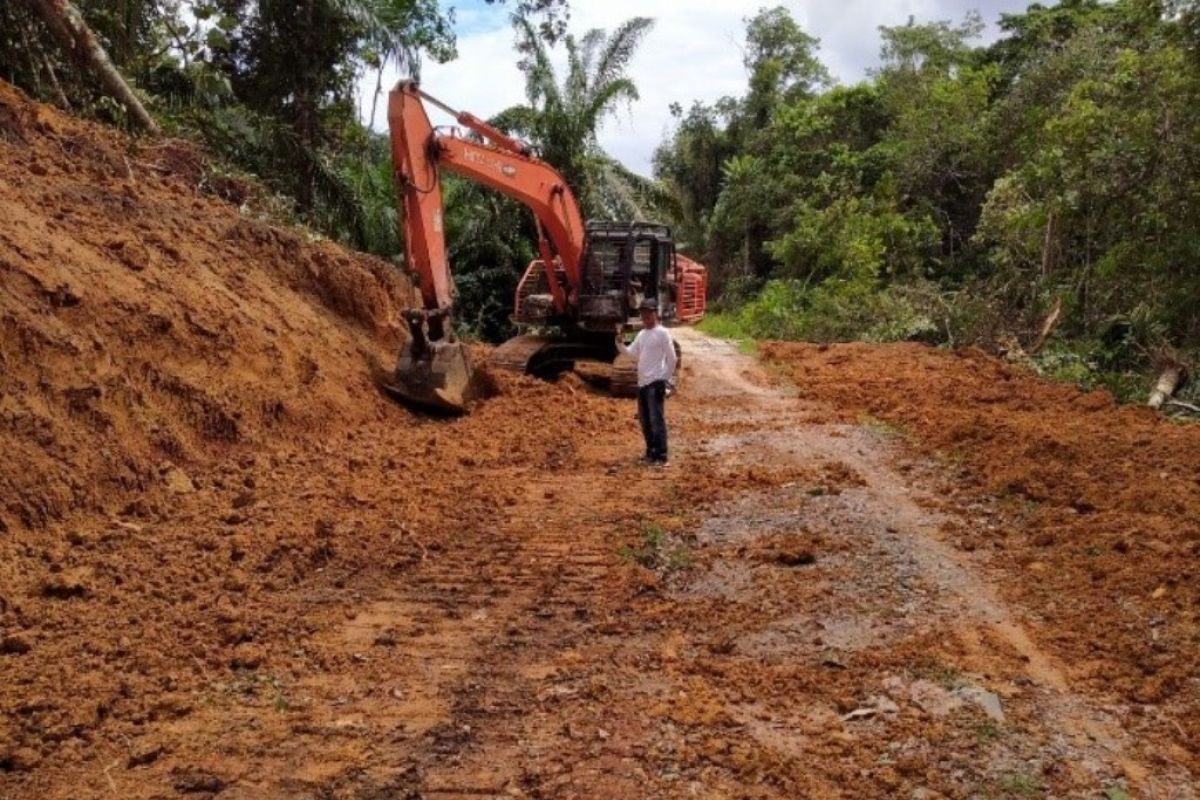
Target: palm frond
{"points": [[590, 47], [605, 99], [629, 195], [619, 50], [575, 84], [540, 80]]}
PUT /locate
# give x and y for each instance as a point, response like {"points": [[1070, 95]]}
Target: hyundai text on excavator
{"points": [[586, 285]]}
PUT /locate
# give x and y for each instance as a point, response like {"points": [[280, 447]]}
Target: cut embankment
{"points": [[146, 326], [200, 478]]}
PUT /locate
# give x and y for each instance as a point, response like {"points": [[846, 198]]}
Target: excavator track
{"points": [[623, 382], [546, 357], [518, 353]]}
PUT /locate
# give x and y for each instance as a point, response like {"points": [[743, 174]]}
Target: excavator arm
{"points": [[500, 162], [434, 370]]}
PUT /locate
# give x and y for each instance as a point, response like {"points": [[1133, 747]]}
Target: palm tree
{"points": [[563, 117], [396, 31]]}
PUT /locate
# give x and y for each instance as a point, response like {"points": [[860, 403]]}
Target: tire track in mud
{"points": [[786, 619], [889, 666], [447, 663]]}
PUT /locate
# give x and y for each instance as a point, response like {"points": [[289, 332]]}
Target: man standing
{"points": [[655, 353]]}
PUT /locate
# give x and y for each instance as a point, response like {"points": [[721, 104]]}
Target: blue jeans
{"points": [[652, 400]]}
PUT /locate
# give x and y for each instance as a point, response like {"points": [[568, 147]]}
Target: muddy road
{"points": [[783, 612]]}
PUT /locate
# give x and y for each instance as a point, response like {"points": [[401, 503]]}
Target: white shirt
{"points": [[655, 353]]}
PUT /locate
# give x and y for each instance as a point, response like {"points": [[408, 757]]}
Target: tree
{"points": [[781, 58], [783, 68], [298, 64], [689, 164], [68, 27], [562, 117], [552, 15]]}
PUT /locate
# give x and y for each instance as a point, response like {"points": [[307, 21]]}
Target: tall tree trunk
{"points": [[760, 260], [375, 97], [306, 113], [1047, 243], [73, 35]]}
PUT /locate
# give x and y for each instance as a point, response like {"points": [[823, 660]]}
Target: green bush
{"points": [[834, 310], [1088, 364]]}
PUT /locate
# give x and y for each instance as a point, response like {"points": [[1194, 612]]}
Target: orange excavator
{"points": [[586, 285]]}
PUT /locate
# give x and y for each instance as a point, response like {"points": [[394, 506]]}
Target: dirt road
{"points": [[779, 614]]}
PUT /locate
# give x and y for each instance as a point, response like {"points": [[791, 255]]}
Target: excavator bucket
{"points": [[436, 376]]}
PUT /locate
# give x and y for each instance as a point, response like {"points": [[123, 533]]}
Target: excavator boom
{"points": [[434, 369]]}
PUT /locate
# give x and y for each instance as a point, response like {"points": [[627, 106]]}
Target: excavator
{"points": [[583, 289]]}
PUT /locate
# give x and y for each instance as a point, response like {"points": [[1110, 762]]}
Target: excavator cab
{"points": [[623, 263]]}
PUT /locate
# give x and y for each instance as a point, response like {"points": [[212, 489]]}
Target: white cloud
{"points": [[693, 53]]}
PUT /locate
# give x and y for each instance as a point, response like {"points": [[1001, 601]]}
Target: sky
{"points": [[694, 52]]}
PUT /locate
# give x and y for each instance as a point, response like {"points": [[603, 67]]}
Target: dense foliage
{"points": [[963, 192]]}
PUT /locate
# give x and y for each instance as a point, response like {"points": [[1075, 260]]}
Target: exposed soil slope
{"points": [[143, 323], [230, 568], [197, 458]]}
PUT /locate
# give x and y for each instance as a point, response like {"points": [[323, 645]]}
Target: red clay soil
{"points": [[145, 324], [193, 439], [230, 567], [1101, 532]]}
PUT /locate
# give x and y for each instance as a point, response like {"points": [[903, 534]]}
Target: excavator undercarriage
{"points": [[548, 357]]}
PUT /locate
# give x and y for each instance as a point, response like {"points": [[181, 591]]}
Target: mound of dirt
{"points": [[146, 327], [1099, 513]]}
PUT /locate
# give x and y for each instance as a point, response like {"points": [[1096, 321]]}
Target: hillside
{"points": [[148, 326]]}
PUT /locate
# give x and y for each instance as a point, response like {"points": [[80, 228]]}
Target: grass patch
{"points": [[889, 430], [947, 676], [656, 551], [988, 732], [723, 326], [1087, 364], [1019, 784], [728, 326]]}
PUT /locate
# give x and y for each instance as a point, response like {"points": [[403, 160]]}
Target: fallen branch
{"points": [[1170, 380], [1182, 406], [1048, 327], [72, 33]]}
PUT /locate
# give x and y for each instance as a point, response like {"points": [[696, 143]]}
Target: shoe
{"points": [[660, 462]]}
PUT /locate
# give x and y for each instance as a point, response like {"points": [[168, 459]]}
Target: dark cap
{"points": [[649, 304]]}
